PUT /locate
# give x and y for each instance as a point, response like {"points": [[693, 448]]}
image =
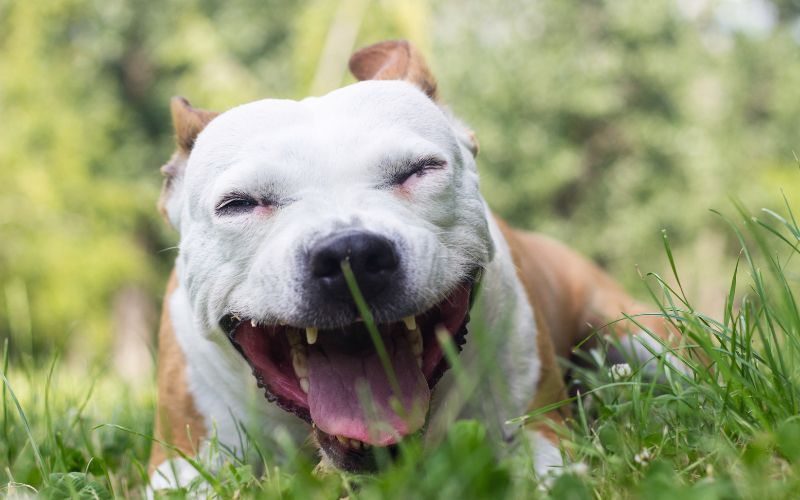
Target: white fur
{"points": [[172, 474], [547, 460], [646, 349], [324, 159]]}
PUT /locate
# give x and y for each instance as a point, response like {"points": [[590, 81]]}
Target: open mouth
{"points": [[355, 395]]}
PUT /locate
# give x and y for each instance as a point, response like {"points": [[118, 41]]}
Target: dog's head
{"points": [[272, 197]]}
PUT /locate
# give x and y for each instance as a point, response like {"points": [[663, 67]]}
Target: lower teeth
{"points": [[353, 443]]}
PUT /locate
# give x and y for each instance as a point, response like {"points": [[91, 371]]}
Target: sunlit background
{"points": [[599, 122]]}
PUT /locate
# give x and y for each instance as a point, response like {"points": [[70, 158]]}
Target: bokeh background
{"points": [[600, 122]]}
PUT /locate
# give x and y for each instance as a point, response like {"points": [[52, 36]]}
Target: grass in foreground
{"points": [[731, 431]]}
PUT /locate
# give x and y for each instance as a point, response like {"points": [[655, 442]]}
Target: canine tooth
{"points": [[299, 363], [253, 323], [311, 335], [341, 439], [411, 323], [304, 384]]}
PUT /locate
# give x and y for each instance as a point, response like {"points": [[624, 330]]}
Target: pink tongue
{"points": [[337, 392]]}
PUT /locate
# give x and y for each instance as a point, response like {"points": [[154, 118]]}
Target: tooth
{"points": [[341, 439], [304, 384], [415, 339], [355, 443], [294, 337], [311, 335], [411, 323], [299, 363], [417, 348], [253, 323]]}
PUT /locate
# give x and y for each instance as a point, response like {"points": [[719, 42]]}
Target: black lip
{"points": [[229, 323]]}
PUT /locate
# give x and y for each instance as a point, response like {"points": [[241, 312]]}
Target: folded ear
{"points": [[394, 60], [188, 122], [399, 60]]}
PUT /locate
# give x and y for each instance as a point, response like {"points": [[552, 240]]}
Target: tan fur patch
{"points": [[394, 60], [177, 420], [571, 297]]}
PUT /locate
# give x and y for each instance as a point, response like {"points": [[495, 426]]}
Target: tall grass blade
{"points": [[369, 321], [40, 463]]}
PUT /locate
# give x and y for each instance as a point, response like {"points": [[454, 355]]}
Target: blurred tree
{"points": [[603, 122], [84, 91]]}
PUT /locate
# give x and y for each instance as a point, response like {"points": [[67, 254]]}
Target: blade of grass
{"points": [[40, 463], [5, 402], [374, 334]]}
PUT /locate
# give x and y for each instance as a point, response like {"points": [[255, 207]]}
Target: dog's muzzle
{"points": [[358, 391]]}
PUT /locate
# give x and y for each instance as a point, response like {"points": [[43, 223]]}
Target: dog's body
{"points": [[273, 195]]}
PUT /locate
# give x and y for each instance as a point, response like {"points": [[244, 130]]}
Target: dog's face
{"points": [[273, 197]]}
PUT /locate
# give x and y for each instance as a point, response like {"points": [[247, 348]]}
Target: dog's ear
{"points": [[394, 60], [399, 60], [188, 122]]}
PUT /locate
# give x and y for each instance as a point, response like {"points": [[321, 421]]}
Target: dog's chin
{"points": [[338, 381]]}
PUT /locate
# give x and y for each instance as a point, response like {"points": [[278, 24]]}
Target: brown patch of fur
{"points": [[394, 60], [188, 122], [570, 296], [177, 420], [573, 296]]}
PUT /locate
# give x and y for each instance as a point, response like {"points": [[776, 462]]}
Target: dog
{"points": [[275, 199]]}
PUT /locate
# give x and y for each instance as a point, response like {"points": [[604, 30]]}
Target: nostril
{"points": [[381, 259], [325, 265]]}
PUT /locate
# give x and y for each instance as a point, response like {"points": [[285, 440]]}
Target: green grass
{"points": [[729, 428]]}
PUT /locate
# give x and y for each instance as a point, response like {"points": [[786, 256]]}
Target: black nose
{"points": [[373, 259]]}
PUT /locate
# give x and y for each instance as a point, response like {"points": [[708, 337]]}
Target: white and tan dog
{"points": [[270, 197]]}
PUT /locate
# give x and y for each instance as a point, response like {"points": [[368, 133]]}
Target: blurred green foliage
{"points": [[600, 122]]}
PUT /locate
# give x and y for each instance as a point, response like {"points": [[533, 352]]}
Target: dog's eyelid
{"points": [[417, 166], [427, 162], [238, 201]]}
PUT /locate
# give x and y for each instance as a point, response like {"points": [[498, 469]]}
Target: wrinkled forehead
{"points": [[360, 117]]}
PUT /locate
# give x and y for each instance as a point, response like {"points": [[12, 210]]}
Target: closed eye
{"points": [[235, 203], [417, 168]]}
